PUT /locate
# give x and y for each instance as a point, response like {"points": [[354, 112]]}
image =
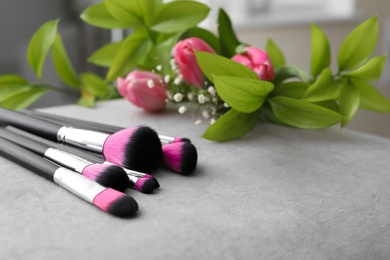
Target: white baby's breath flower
{"points": [[173, 64], [226, 105], [198, 122], [167, 78], [182, 110], [215, 100], [212, 121], [150, 83], [201, 99], [205, 114], [178, 80], [178, 97], [212, 90], [159, 67], [190, 96]]}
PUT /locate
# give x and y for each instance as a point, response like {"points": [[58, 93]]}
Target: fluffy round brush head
{"points": [[180, 157], [107, 175], [116, 203], [136, 148], [145, 185]]}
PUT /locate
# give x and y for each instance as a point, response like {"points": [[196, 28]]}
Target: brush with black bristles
{"points": [[179, 154], [111, 176], [94, 125], [137, 148], [107, 199], [142, 182]]}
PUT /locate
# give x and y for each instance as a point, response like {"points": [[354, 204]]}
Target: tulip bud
{"points": [[144, 89], [258, 61], [186, 60]]}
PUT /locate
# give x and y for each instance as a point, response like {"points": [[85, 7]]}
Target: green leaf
{"points": [[231, 125], [62, 64], [12, 85], [285, 72], [275, 54], [320, 50], [330, 104], [12, 80], [302, 114], [40, 45], [294, 89], [269, 115], [98, 15], [227, 36], [324, 88], [95, 84], [370, 97], [129, 12], [179, 16], [134, 48], [372, 70], [150, 10], [205, 35], [242, 94], [215, 65], [105, 55], [24, 98], [358, 45], [349, 101]]}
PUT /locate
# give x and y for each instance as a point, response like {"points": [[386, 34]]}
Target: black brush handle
{"points": [[63, 120], [24, 142], [81, 153], [27, 159], [37, 126]]}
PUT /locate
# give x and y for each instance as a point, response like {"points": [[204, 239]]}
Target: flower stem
{"points": [[67, 91]]}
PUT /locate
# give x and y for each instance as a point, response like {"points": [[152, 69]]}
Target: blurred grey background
{"points": [[287, 22]]}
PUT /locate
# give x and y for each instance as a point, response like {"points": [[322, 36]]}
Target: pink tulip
{"points": [[186, 60], [258, 61], [144, 89]]}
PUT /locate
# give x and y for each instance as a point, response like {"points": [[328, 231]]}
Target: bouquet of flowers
{"points": [[167, 59]]}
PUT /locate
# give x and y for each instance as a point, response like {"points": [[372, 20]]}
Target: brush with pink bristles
{"points": [[180, 157], [107, 199], [137, 148], [142, 182], [111, 176], [165, 139], [177, 155]]}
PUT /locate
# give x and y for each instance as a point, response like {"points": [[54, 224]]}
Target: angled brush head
{"points": [[136, 148], [107, 175], [116, 203], [181, 139], [145, 185], [180, 157]]}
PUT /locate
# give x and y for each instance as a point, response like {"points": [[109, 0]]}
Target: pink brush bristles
{"points": [[115, 202], [137, 148], [107, 175], [180, 157]]}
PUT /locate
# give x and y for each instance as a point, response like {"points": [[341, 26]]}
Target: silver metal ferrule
{"points": [[67, 160], [166, 139], [87, 139], [77, 184]]}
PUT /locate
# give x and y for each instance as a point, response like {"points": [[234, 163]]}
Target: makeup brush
{"points": [[111, 176], [142, 182], [183, 160], [107, 199], [181, 157], [94, 125], [137, 148]]}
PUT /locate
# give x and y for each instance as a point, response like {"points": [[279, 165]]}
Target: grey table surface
{"points": [[277, 193]]}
